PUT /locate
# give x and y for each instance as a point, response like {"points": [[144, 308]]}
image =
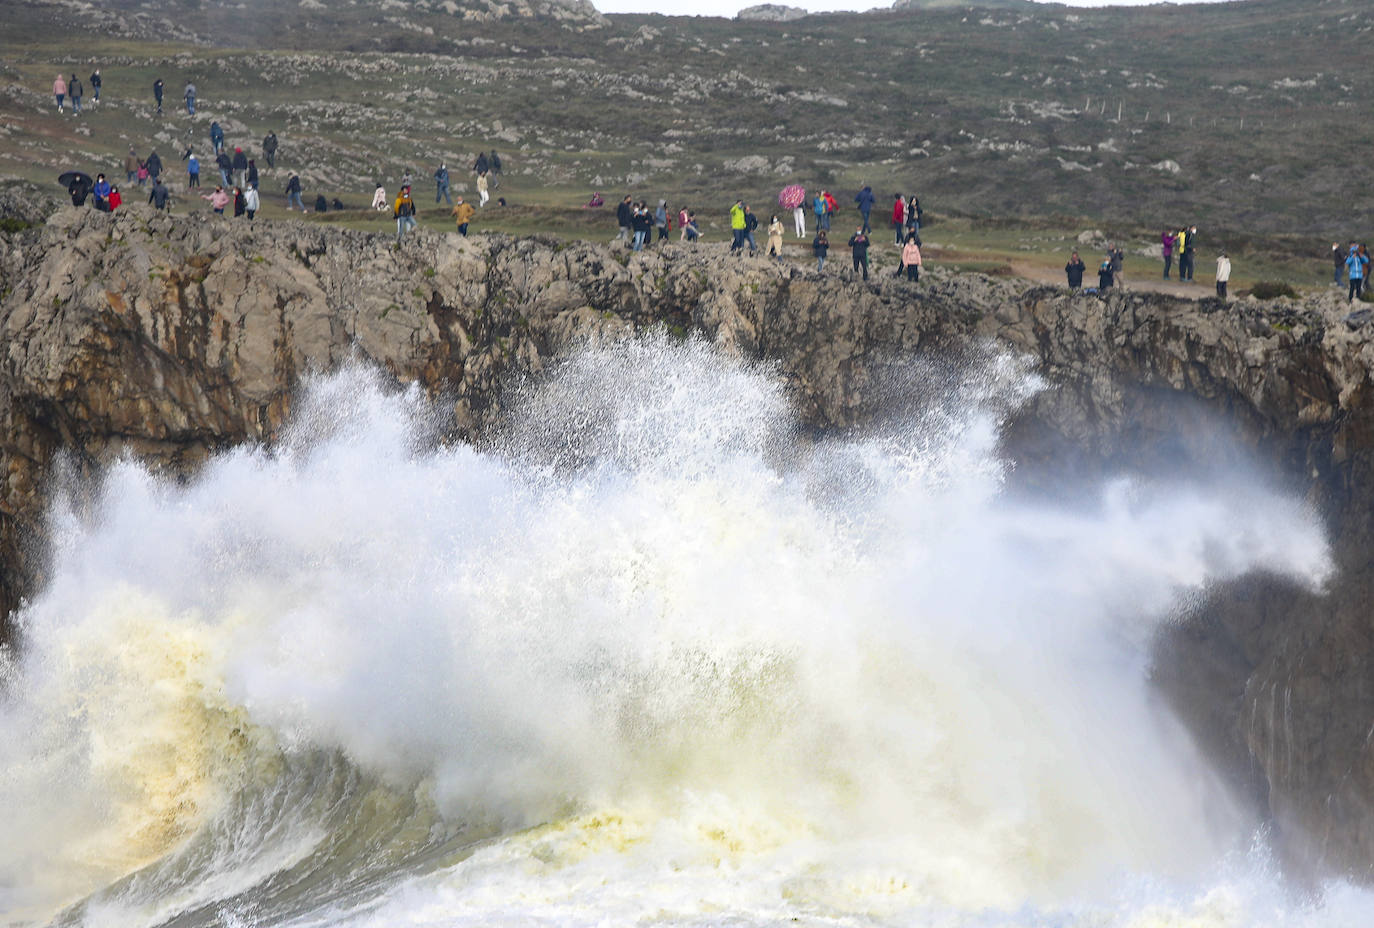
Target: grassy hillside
{"points": [[1245, 117]]}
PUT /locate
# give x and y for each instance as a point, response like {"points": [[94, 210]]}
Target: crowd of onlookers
{"points": [[239, 181]]}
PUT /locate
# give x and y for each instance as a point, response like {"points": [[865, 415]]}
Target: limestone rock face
{"points": [[171, 337]]}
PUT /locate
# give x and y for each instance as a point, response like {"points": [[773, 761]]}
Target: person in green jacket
{"points": [[737, 225]]}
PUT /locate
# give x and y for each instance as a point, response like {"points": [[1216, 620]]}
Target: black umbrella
{"points": [[75, 177]]}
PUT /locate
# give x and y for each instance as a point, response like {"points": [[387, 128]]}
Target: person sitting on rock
{"points": [[379, 197], [596, 201]]}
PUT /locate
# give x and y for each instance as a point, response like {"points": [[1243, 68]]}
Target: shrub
{"points": [[1272, 289]]}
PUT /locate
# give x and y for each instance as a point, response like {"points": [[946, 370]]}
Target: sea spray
{"points": [[648, 652]]}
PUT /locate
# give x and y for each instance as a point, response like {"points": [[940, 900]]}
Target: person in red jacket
{"points": [[115, 199], [899, 217]]}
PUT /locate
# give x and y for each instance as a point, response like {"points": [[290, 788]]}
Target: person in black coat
{"points": [[154, 165], [252, 174], [225, 165], [624, 216], [95, 86], [1104, 275], [269, 149], [157, 94], [240, 165], [1075, 269], [859, 243]]}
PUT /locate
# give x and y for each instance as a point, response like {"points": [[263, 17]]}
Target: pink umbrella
{"points": [[792, 196]]}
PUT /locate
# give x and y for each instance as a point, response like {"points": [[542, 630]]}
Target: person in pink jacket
{"points": [[911, 260], [59, 90], [218, 200]]}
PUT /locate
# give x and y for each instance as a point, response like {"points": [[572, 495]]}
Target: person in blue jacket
{"points": [[865, 200], [822, 213], [1356, 266]]}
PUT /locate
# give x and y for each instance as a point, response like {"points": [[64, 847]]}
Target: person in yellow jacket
{"points": [[404, 211], [463, 213], [737, 225]]}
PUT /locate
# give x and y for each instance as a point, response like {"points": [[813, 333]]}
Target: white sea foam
{"points": [[646, 656]]}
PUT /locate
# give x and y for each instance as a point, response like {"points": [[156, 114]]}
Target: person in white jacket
{"points": [[1223, 274], [379, 198], [251, 201]]}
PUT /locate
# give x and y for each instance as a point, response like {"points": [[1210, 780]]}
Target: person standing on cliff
{"points": [[1188, 253], [623, 217], [820, 247], [160, 196], [911, 260], [1355, 270], [1166, 246], [1338, 261], [157, 94], [441, 185], [775, 237], [1074, 270], [1223, 274], [1117, 257], [462, 214], [865, 200], [859, 243], [899, 217], [1104, 275], [737, 226], [404, 211]]}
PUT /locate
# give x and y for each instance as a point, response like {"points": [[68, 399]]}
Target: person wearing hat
{"points": [[1223, 274]]}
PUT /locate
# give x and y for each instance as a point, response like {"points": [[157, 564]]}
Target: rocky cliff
{"points": [[170, 337]]}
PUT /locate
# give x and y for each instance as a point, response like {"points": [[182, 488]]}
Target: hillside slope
{"points": [[1237, 115]]}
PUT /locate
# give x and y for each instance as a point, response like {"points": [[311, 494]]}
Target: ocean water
{"points": [[648, 655]]}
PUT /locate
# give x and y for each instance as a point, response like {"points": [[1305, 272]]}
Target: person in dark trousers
{"points": [[252, 174], [911, 260], [462, 214], [495, 169], [899, 218], [1355, 271], [865, 200], [269, 149], [1223, 273], [1189, 247], [95, 82], [293, 193], [225, 165], [624, 217], [159, 195], [192, 171], [1104, 275], [1338, 260], [441, 184], [190, 96], [1074, 270], [240, 165], [859, 243], [1117, 257], [75, 91], [154, 165], [157, 94], [481, 165], [216, 137], [1166, 250], [240, 203], [751, 222], [820, 247]]}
